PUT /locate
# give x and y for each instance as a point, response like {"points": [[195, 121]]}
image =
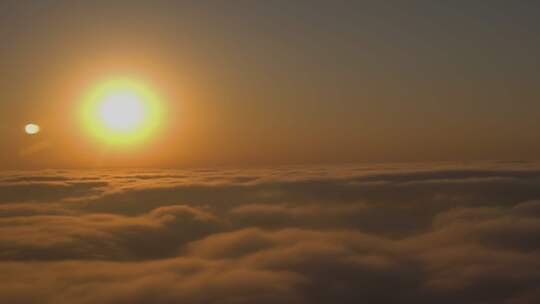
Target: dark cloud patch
{"points": [[427, 175], [373, 234], [48, 192], [158, 234], [296, 266], [36, 179], [151, 176], [432, 194], [31, 209], [394, 203]]}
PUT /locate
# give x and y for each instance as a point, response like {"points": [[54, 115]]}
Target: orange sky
{"points": [[275, 83]]}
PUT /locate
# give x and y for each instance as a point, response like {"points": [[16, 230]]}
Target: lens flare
{"points": [[32, 129], [121, 111]]}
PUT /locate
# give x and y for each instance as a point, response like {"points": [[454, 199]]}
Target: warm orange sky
{"points": [[275, 82]]}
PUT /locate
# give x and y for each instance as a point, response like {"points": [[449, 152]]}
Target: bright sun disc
{"points": [[121, 111]]}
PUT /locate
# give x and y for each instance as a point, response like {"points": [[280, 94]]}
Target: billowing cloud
{"points": [[381, 234]]}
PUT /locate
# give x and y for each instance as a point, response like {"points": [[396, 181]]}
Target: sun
{"points": [[121, 111]]}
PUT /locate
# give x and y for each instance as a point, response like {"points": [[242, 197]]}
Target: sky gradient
{"points": [[276, 82]]}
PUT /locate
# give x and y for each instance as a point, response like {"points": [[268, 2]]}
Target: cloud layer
{"points": [[437, 233]]}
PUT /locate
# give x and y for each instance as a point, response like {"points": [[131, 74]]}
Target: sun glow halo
{"points": [[121, 111]]}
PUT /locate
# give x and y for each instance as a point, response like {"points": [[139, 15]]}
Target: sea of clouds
{"points": [[388, 233]]}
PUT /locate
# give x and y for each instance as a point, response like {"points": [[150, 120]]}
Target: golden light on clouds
{"points": [[121, 111], [32, 129]]}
